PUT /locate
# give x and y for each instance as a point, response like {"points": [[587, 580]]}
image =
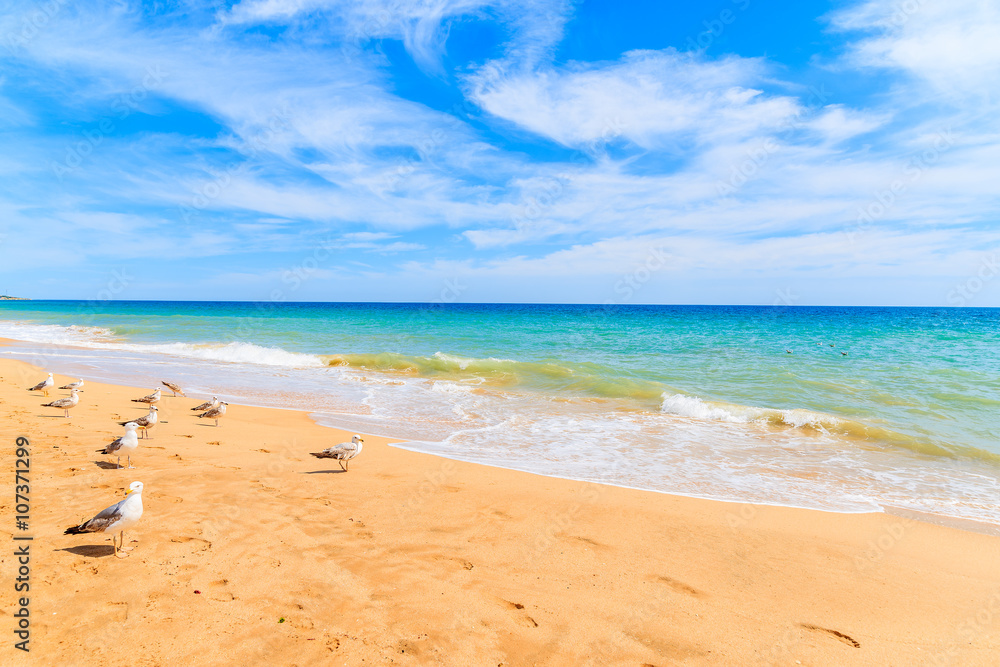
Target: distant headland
{"points": [[4, 297]]}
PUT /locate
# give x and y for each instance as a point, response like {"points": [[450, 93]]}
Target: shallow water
{"points": [[701, 401]]}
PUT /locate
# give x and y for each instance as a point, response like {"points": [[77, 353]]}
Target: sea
{"points": [[843, 409]]}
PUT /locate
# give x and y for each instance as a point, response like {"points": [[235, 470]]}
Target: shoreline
{"points": [[416, 559], [400, 442]]}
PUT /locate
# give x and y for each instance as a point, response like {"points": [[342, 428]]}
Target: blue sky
{"points": [[731, 151]]}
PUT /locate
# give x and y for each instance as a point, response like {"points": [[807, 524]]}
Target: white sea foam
{"points": [[692, 406], [104, 339], [697, 408], [238, 353], [54, 334]]}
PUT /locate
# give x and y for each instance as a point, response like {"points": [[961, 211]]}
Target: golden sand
{"points": [[252, 552]]}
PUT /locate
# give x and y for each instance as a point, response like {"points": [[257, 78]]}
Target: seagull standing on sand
{"points": [[172, 387], [64, 403], [152, 399], [126, 444], [343, 452], [207, 405], [145, 423], [73, 385], [44, 385], [216, 412], [123, 514]]}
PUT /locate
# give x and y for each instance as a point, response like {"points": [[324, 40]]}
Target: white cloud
{"points": [[651, 98], [953, 46]]}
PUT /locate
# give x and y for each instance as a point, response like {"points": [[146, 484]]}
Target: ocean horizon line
{"points": [[511, 303]]}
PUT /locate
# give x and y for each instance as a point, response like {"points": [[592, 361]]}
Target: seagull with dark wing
{"points": [[123, 514], [145, 423], [126, 444], [152, 399], [64, 403], [216, 412], [343, 452], [73, 385], [44, 385], [207, 405], [172, 387]]}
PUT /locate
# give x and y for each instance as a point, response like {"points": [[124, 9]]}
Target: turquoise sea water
{"points": [[757, 404]]}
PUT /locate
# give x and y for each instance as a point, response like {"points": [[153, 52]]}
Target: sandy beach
{"points": [[251, 551]]}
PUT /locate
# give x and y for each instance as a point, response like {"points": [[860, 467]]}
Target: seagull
{"points": [[843, 354], [343, 452], [125, 444], [64, 403], [172, 387], [216, 412], [207, 405], [788, 351], [73, 385], [151, 399], [44, 385], [145, 423], [123, 514]]}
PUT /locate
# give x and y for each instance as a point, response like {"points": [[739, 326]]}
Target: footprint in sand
{"points": [[523, 618], [679, 586], [850, 641]]}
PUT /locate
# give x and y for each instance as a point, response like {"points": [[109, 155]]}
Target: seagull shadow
{"points": [[210, 425], [323, 472], [105, 465], [92, 550]]}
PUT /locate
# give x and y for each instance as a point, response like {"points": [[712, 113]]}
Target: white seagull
{"points": [[216, 412], [145, 423], [64, 403], [44, 385], [172, 387], [73, 385], [343, 452], [123, 514], [126, 444], [207, 405], [151, 399]]}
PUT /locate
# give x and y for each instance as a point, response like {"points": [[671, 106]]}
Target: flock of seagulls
{"points": [[126, 513]]}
